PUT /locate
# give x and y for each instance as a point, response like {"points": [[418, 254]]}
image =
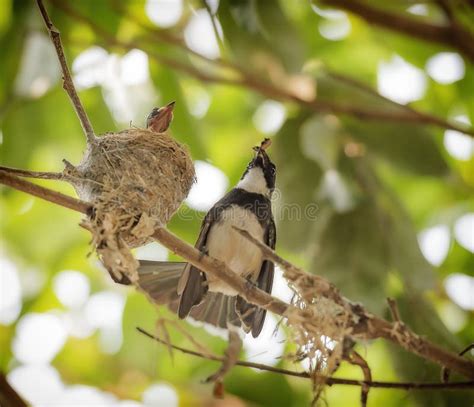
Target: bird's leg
{"points": [[203, 251], [231, 356], [249, 283]]}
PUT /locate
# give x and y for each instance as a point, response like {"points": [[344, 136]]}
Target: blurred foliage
{"points": [[376, 185]]}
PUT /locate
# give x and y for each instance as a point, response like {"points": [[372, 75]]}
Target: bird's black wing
{"points": [[265, 279], [252, 316], [192, 285]]}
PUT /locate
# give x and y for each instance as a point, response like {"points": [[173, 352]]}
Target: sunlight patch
{"points": [[464, 232], [336, 24], [335, 30], [459, 288], [104, 311], [39, 338], [39, 385], [268, 347], [152, 251], [199, 34], [434, 244], [72, 288], [446, 67], [89, 67], [457, 144], [198, 101], [10, 292], [164, 13], [210, 186], [418, 9], [162, 394], [400, 81], [269, 117]]}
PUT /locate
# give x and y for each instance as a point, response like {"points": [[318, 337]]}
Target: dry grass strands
{"points": [[322, 325], [320, 328], [136, 179]]}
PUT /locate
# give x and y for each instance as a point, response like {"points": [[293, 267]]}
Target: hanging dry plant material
{"points": [[136, 179]]}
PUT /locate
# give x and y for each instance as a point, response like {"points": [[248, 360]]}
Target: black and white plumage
{"points": [[188, 291]]}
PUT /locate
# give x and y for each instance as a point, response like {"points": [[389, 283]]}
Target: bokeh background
{"points": [[391, 208]]}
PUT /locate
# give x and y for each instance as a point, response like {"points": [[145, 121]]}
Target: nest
{"points": [[136, 180]]}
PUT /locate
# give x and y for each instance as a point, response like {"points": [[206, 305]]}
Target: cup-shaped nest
{"points": [[136, 180]]}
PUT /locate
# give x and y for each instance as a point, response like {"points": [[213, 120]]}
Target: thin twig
{"points": [[44, 193], [68, 83], [213, 19], [33, 174], [392, 305], [445, 372], [356, 359], [422, 116], [329, 380]]}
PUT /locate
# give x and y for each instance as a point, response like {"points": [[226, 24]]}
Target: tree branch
{"points": [[68, 84], [33, 174], [375, 327], [261, 86], [453, 36], [328, 380], [44, 193], [371, 326]]}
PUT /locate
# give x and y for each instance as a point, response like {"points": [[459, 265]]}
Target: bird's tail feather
{"points": [[159, 281], [216, 309]]}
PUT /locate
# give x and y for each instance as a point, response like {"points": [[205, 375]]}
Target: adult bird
{"points": [[188, 290]]}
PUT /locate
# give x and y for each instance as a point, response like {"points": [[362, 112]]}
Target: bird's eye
{"points": [[273, 170]]}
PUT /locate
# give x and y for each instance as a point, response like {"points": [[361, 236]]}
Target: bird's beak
{"points": [[260, 151], [167, 110]]}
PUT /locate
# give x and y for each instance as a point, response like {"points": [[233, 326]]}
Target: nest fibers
{"points": [[136, 180]]}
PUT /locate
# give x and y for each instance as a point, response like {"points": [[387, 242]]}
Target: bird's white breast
{"points": [[254, 181], [226, 244]]}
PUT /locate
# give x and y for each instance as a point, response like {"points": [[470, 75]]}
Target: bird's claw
{"points": [[203, 252]]}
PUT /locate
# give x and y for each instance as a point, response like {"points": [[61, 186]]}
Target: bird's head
{"points": [[260, 174], [160, 118]]}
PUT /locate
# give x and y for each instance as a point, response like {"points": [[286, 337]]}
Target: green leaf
{"points": [[374, 238], [13, 33], [296, 186], [401, 144], [420, 316]]}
